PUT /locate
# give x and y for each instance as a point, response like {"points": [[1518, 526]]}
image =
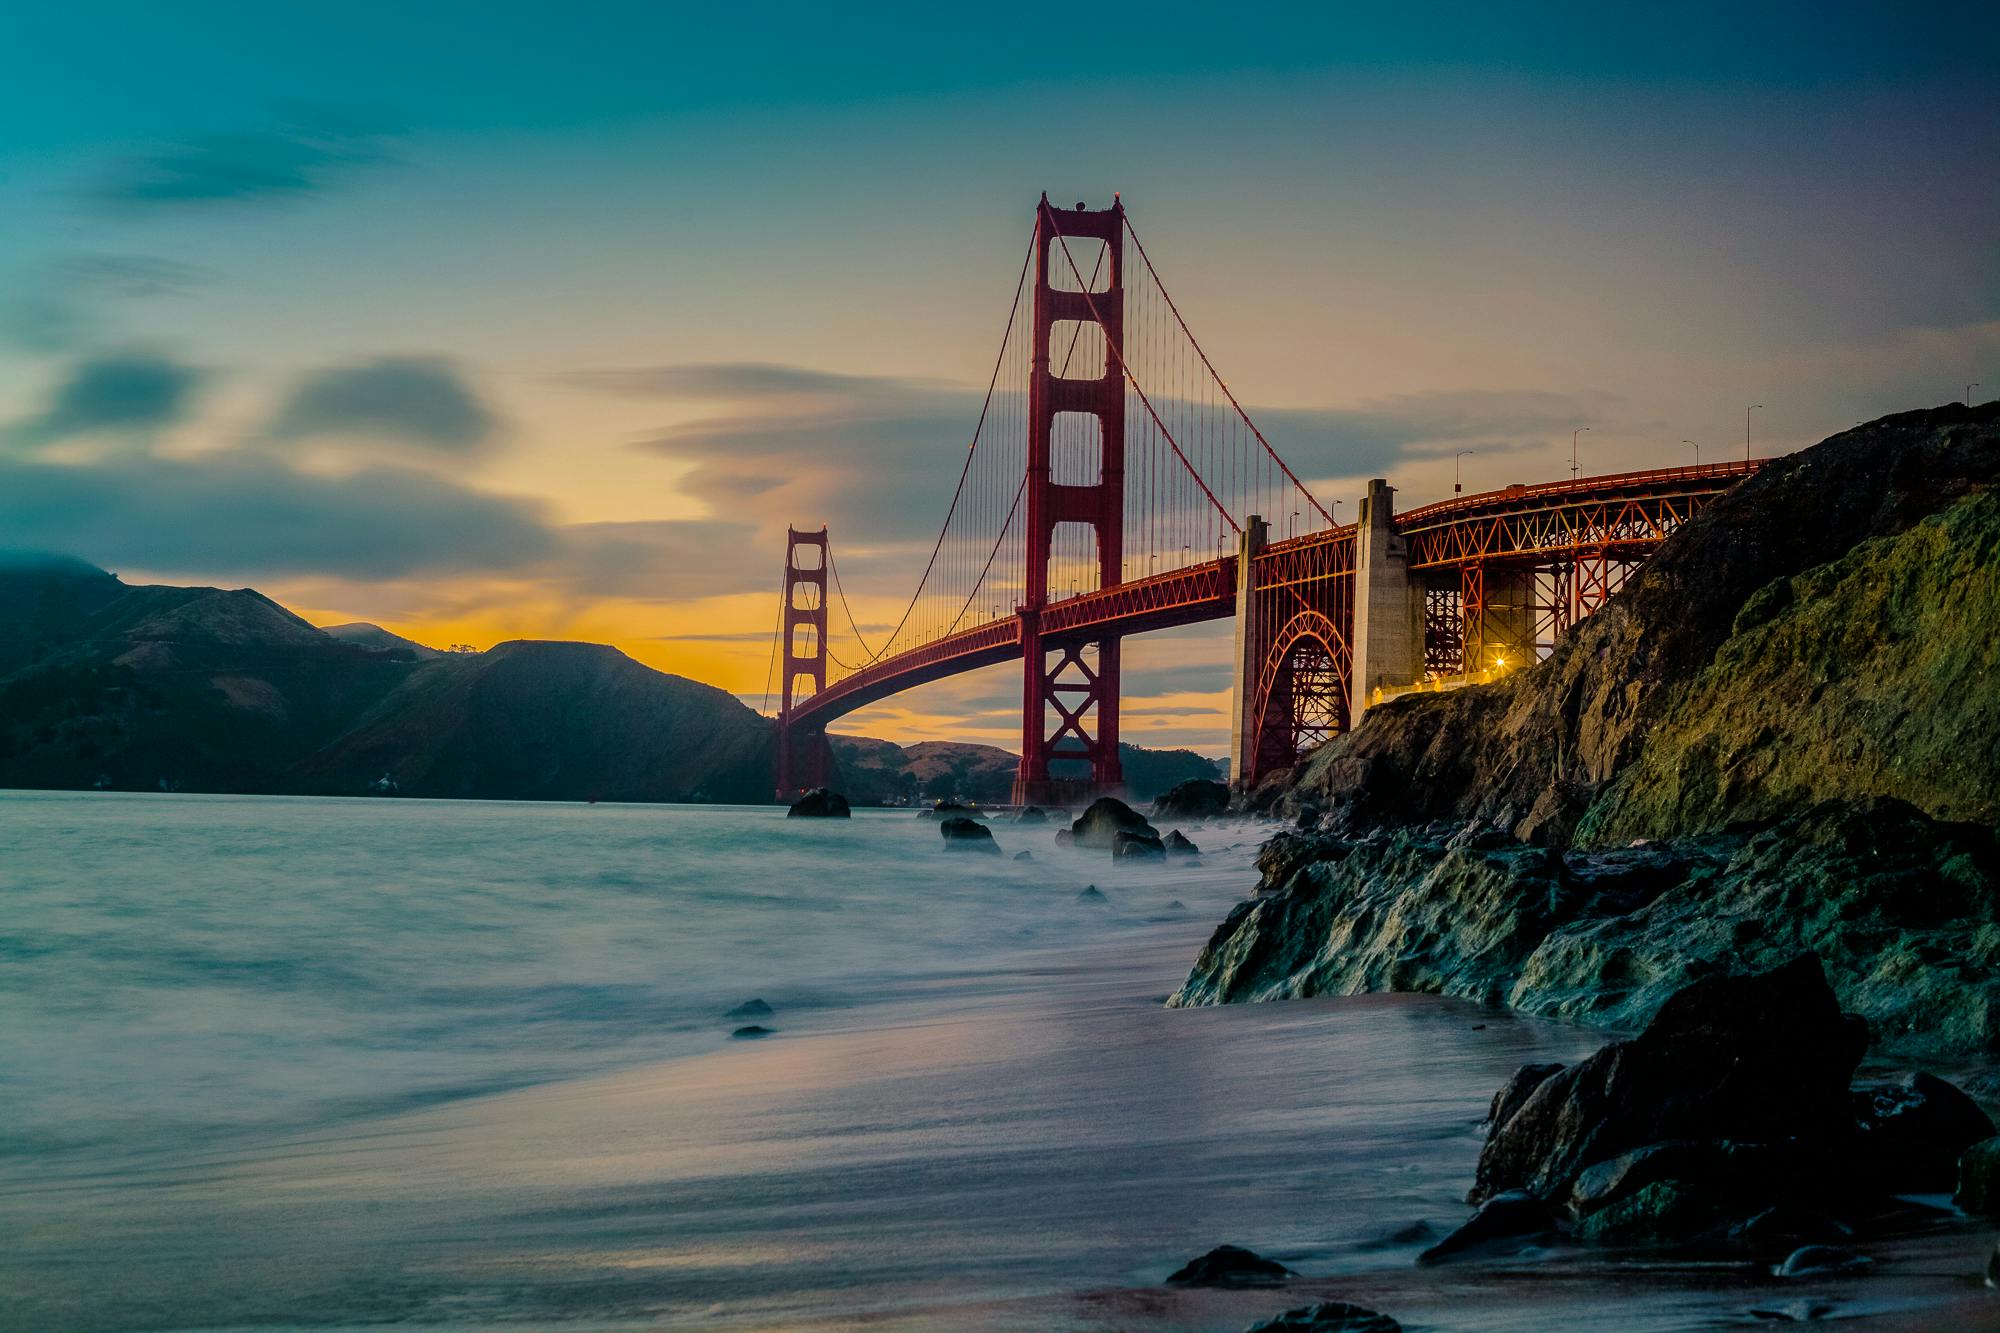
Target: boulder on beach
{"points": [[819, 803], [1197, 798], [967, 835], [1129, 846], [1229, 1266], [1105, 819], [1752, 1059], [751, 1009], [1327, 1317], [1179, 844]]}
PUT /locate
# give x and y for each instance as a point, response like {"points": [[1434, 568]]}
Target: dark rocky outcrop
{"points": [[751, 1009], [819, 803], [1179, 844], [751, 1032], [1197, 798], [949, 810], [1104, 819], [1230, 1266], [1327, 1317], [1031, 814], [1091, 895], [967, 835], [1903, 911]]}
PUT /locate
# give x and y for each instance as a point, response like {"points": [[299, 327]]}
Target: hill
{"points": [[870, 770], [107, 685]]}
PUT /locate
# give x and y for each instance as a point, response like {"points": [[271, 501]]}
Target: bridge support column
{"points": [[801, 758], [1500, 615], [1248, 659], [1388, 603]]}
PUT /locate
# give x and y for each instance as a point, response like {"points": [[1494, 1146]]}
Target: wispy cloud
{"points": [[306, 154]]}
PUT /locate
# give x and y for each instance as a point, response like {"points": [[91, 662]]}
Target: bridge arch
{"points": [[1302, 691]]}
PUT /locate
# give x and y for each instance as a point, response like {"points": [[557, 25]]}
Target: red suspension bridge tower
{"points": [[1076, 475]]}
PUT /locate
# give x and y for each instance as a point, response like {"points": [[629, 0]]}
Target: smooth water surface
{"points": [[277, 1062]]}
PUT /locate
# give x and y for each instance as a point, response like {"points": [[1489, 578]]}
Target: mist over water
{"points": [[174, 967], [274, 1061]]}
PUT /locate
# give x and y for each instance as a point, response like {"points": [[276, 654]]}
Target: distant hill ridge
{"points": [[110, 685]]}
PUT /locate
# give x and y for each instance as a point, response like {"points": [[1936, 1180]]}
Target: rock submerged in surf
{"points": [[1230, 1266], [1129, 846], [1327, 1317], [967, 835], [752, 1032], [1105, 819], [1091, 894], [1179, 844], [820, 803], [1197, 798], [751, 1009]]}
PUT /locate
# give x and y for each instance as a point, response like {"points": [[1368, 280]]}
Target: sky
{"points": [[501, 321]]}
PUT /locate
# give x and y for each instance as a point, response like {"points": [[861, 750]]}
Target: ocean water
{"points": [[272, 1063]]}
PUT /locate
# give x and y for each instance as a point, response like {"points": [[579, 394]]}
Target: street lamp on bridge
{"points": [[1968, 392], [1455, 487], [1572, 450], [1746, 429], [1697, 452]]}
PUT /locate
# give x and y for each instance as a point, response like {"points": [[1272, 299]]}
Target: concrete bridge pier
{"points": [[1247, 662], [1388, 642]]}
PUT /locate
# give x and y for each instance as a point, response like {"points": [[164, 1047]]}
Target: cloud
{"points": [[127, 392], [243, 516], [667, 561], [1371, 437], [55, 306], [296, 159], [420, 400]]}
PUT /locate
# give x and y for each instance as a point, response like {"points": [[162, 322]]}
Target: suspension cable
{"points": [[834, 569], [1019, 286], [1224, 384]]}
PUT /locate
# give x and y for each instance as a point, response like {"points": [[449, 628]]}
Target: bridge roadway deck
{"points": [[1623, 512]]}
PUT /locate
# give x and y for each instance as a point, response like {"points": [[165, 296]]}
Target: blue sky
{"points": [[367, 269]]}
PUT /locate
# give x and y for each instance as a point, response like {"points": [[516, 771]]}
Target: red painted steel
{"points": [[802, 751], [1057, 678]]}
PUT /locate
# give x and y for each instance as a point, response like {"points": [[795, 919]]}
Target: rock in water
{"points": [[1197, 798], [1032, 814], [1979, 1179], [1105, 819], [1913, 1132], [751, 1009], [1815, 1260], [947, 809], [967, 835], [1129, 846], [1754, 1059], [1090, 893], [819, 803], [751, 1032], [1179, 844], [1024, 856], [1505, 1221], [1993, 1269], [1327, 1317], [1230, 1266]]}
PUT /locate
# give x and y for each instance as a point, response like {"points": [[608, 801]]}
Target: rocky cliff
{"points": [[1784, 736]]}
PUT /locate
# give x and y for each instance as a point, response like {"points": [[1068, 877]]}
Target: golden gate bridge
{"points": [[1114, 485]]}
